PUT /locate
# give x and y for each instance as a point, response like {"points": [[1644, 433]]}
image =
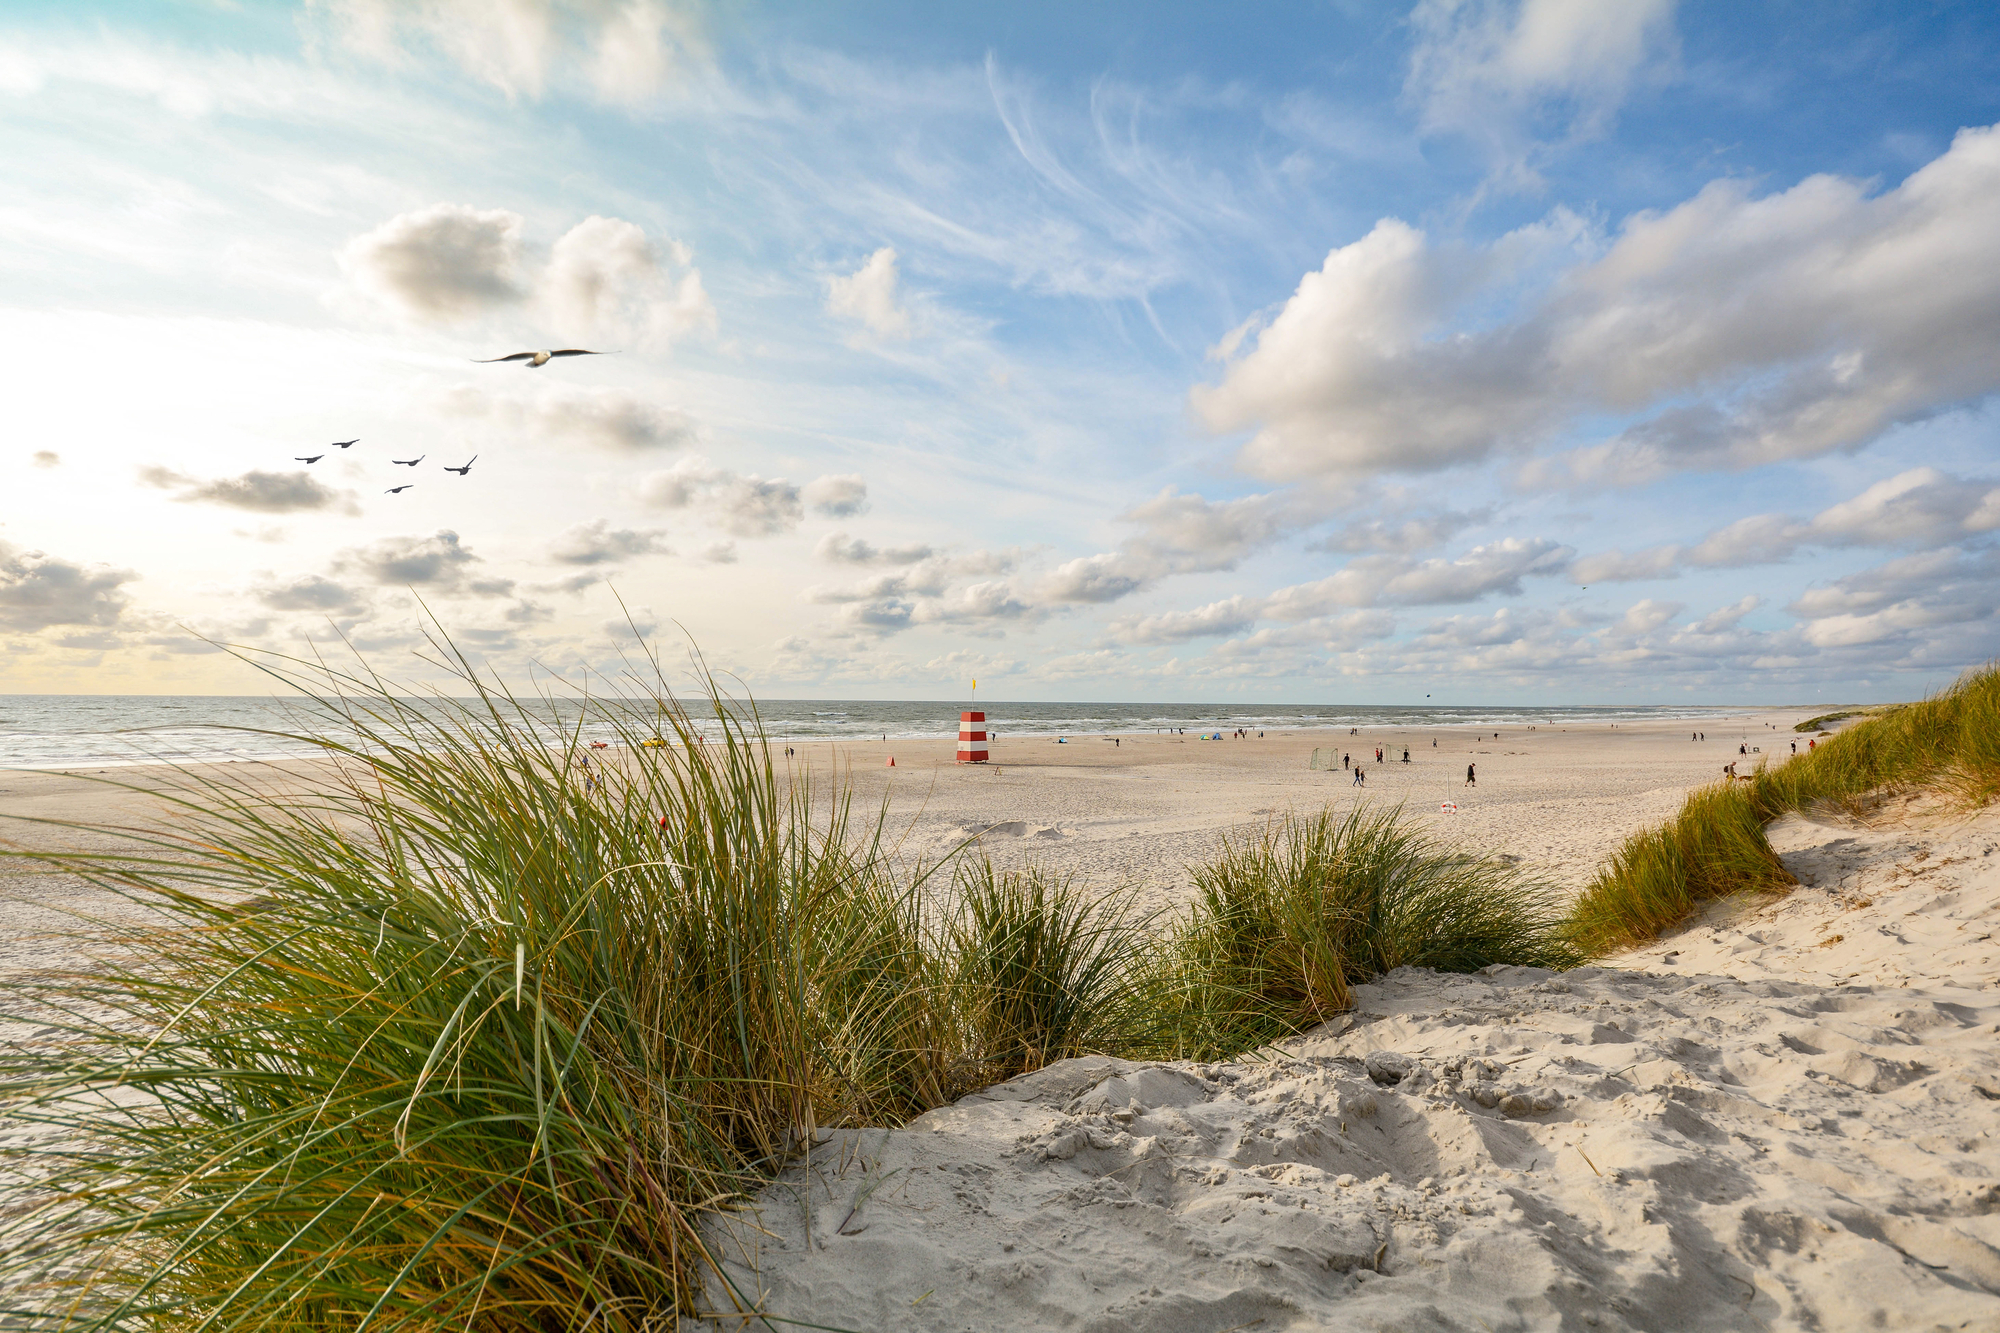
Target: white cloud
{"points": [[446, 262], [1922, 507], [1500, 71], [259, 492], [614, 420], [742, 503], [309, 592], [1643, 617], [869, 295], [597, 543], [840, 549], [439, 563], [624, 52], [39, 590], [605, 279], [841, 495], [1905, 602], [1369, 581], [1737, 330], [1419, 533], [47, 458]]}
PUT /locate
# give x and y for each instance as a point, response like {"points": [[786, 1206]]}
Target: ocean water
{"points": [[58, 731]]}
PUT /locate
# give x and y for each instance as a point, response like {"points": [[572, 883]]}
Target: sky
{"points": [[1489, 351]]}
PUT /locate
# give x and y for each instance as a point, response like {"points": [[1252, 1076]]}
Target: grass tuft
{"points": [[1046, 972], [1716, 847], [470, 1037], [1289, 922]]}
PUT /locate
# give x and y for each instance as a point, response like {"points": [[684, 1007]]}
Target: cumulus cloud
{"points": [[1732, 330], [869, 295], [606, 279], [1178, 534], [309, 592], [574, 583], [259, 492], [742, 503], [440, 263], [603, 418], [47, 458], [1368, 581], [841, 495], [1420, 532], [624, 52], [598, 543], [1503, 72], [963, 588], [439, 563], [1936, 595], [1922, 507], [840, 549], [39, 590]]}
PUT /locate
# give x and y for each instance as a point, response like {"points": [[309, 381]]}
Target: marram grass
{"points": [[1289, 921], [1716, 846], [465, 1033], [467, 1038]]}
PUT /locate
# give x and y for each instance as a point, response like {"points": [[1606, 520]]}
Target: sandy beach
{"points": [[1133, 813], [1786, 1115]]}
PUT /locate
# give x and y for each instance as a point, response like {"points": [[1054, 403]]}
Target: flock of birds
{"points": [[530, 360]]}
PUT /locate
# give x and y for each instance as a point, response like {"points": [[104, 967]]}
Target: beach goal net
{"points": [[1325, 758]]}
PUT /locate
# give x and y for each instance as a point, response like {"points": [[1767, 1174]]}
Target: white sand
{"points": [[1788, 1118], [1135, 814]]}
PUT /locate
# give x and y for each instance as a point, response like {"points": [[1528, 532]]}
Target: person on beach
{"points": [[1471, 776], [1406, 754], [1795, 747], [1344, 760], [1360, 778]]}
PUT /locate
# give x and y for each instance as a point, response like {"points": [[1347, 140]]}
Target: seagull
{"points": [[314, 459], [461, 471], [409, 462], [398, 490], [541, 358], [347, 444]]}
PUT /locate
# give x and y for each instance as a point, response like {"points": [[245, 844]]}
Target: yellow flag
{"points": [[975, 684]]}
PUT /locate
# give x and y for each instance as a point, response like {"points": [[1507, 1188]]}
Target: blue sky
{"points": [[1506, 352]]}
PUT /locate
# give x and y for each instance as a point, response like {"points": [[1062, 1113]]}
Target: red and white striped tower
{"points": [[972, 738]]}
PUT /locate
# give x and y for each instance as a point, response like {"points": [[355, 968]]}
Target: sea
{"points": [[65, 731]]}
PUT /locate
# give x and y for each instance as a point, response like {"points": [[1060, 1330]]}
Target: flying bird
{"points": [[398, 490], [347, 444], [461, 471], [314, 459], [541, 358], [409, 462]]}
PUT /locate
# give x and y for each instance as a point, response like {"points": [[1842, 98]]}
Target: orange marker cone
{"points": [[892, 761]]}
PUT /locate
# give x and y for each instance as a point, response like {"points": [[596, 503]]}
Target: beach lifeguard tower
{"points": [[972, 738]]}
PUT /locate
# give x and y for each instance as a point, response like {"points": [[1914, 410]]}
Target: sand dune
{"points": [[1785, 1119]]}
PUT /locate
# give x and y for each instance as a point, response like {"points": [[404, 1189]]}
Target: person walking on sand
{"points": [[1358, 779], [1406, 754], [1345, 759], [1471, 776]]}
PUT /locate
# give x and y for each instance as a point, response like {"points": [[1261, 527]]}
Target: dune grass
{"points": [[1715, 846], [1046, 971], [477, 1029], [470, 1037], [1289, 921]]}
